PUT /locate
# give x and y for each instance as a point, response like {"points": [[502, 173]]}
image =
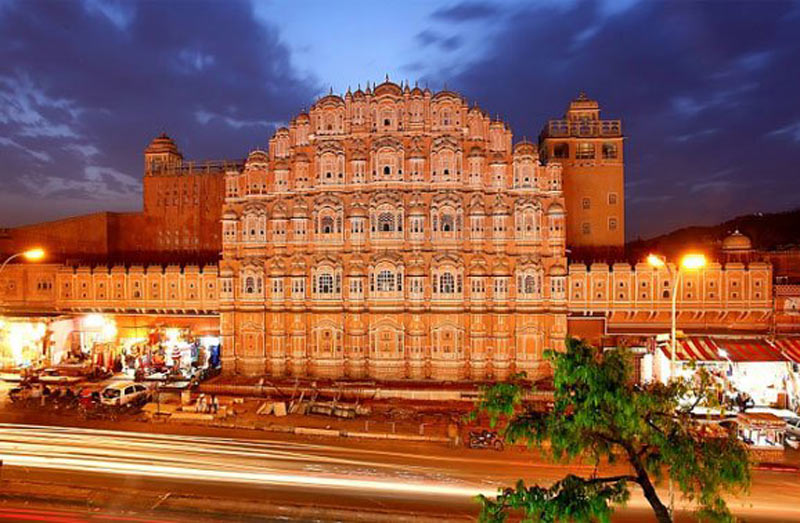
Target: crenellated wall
{"points": [[733, 297], [58, 288]]}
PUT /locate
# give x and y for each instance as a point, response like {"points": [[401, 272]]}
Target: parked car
{"points": [[793, 427], [26, 393], [126, 393]]}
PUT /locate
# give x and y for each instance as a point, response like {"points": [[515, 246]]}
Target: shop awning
{"points": [[705, 348], [790, 348]]}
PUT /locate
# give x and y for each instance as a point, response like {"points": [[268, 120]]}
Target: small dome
{"points": [[501, 269], [446, 94], [162, 144], [477, 269], [333, 99], [300, 209], [388, 87], [357, 269], [583, 102], [278, 268], [737, 242], [417, 208], [358, 211], [555, 209], [558, 270], [497, 159], [476, 152], [416, 270], [257, 156], [524, 147], [500, 207]]}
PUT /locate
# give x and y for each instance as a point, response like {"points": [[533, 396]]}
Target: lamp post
{"points": [[691, 262], [30, 255]]}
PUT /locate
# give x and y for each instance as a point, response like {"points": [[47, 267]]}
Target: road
{"points": [[143, 473]]}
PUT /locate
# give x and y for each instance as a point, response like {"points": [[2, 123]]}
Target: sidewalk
{"points": [[394, 421]]}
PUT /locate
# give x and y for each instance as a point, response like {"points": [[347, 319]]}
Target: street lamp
{"points": [[36, 254], [690, 262]]}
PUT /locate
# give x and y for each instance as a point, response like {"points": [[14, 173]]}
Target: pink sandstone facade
{"points": [[392, 233]]}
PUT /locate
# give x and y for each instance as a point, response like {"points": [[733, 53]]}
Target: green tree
{"points": [[600, 413]]}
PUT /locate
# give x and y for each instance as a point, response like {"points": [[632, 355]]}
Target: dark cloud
{"points": [[85, 86], [706, 90], [702, 88], [428, 37], [465, 11]]}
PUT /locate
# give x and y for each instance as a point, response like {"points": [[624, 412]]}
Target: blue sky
{"points": [[707, 90]]}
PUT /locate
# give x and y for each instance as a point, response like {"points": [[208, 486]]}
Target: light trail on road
{"points": [[358, 475], [219, 460]]}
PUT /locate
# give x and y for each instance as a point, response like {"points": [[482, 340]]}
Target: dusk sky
{"points": [[708, 91]]}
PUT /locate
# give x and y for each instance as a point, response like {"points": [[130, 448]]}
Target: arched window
{"points": [[326, 225], [385, 282], [530, 284], [447, 223], [250, 285], [387, 170], [386, 222], [325, 285], [447, 284]]}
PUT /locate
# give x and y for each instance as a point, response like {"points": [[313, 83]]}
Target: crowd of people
{"points": [[207, 404]]}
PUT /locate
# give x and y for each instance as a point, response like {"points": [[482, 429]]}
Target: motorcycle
{"points": [[90, 407], [485, 440]]}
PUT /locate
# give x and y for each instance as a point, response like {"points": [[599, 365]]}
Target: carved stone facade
{"points": [[393, 233]]}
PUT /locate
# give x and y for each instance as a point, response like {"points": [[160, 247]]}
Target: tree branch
{"points": [[612, 479]]}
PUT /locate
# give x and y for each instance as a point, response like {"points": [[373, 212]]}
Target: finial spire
{"points": [[387, 77]]}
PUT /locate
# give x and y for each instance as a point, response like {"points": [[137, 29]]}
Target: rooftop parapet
{"points": [[582, 129]]}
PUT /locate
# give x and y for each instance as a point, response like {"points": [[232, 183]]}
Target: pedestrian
{"points": [[200, 405], [214, 403]]}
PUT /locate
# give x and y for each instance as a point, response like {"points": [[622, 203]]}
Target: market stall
{"points": [[761, 431], [32, 342], [751, 368]]}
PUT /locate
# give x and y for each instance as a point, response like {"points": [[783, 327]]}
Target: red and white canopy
{"points": [[705, 348], [790, 348]]}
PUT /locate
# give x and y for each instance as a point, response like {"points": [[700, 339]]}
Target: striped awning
{"points": [[705, 348], [790, 348]]}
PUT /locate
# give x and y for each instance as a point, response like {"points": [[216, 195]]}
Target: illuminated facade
{"points": [[393, 233]]}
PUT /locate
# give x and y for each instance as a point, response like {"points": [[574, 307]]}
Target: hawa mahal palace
{"points": [[388, 233]]}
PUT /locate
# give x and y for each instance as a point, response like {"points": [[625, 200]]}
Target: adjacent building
{"points": [[590, 151]]}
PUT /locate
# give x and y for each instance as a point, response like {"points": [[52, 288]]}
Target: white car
{"points": [[793, 427], [125, 393]]}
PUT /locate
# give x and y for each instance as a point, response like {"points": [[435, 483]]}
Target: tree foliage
{"points": [[601, 414]]}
